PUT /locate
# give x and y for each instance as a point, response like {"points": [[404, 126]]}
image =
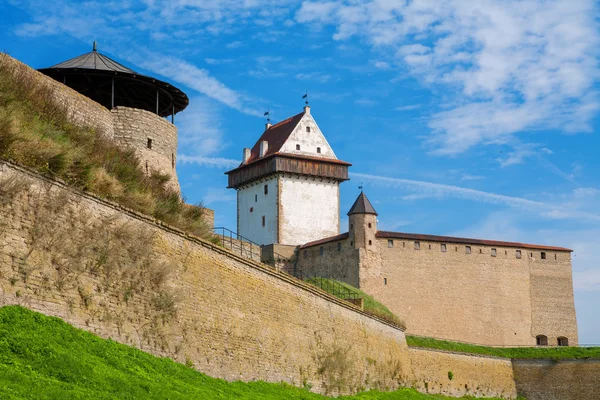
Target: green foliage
{"points": [[450, 375], [35, 131], [555, 353], [370, 305], [45, 358]]}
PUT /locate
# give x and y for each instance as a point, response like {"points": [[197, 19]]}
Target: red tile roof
{"points": [[326, 240], [450, 239], [434, 238], [276, 135]]}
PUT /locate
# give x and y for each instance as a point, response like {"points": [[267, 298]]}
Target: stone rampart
{"points": [[558, 379], [124, 276], [458, 374]]}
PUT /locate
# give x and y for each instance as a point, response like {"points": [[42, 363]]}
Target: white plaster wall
{"points": [[250, 223], [308, 141], [310, 209]]}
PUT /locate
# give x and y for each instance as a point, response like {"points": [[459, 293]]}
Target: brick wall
{"points": [[121, 275], [472, 375], [558, 379]]}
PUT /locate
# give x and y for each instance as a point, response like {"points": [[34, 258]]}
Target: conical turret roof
{"points": [[362, 205], [94, 60]]}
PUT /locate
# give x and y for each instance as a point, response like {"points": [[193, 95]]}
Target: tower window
{"points": [[255, 198], [370, 242], [308, 129], [173, 160], [531, 255], [518, 254], [480, 251], [266, 189], [319, 150], [264, 220], [563, 341], [251, 209], [468, 249], [369, 224], [149, 143], [298, 147], [390, 243], [493, 252], [385, 281], [321, 250], [417, 245], [556, 258], [543, 255], [429, 247], [443, 247]]}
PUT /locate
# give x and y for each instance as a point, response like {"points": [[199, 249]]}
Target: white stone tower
{"points": [[288, 185]]}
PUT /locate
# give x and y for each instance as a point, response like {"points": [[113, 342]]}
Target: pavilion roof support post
{"points": [[173, 113], [112, 95], [157, 101]]}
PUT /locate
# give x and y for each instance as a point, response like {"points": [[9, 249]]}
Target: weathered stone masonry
{"points": [[234, 319], [127, 126]]}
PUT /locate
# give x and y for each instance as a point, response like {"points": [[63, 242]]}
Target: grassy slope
{"points": [[514, 352], [374, 307], [35, 131], [45, 358], [371, 305]]}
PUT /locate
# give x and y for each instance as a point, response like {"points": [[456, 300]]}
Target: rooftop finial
{"points": [[305, 97], [95, 48], [268, 115]]}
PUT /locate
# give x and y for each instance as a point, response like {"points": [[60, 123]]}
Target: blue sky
{"points": [[468, 118]]}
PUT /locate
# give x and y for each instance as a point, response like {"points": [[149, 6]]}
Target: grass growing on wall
{"points": [[555, 353], [45, 358], [371, 305], [35, 131]]}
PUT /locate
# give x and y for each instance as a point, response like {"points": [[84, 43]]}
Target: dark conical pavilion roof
{"points": [[112, 84], [96, 61], [362, 205]]}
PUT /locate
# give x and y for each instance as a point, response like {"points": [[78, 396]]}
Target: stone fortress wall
{"points": [[471, 297], [127, 126], [125, 276]]}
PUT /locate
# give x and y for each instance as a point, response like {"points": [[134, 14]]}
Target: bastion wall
{"points": [[124, 276], [126, 126]]}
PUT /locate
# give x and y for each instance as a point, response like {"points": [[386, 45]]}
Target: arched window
{"points": [[541, 340], [563, 341]]}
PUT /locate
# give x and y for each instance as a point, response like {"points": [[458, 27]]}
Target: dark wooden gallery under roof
{"points": [[112, 84]]}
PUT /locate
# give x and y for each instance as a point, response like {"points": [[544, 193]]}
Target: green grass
{"points": [[555, 353], [35, 131], [371, 305], [45, 358]]}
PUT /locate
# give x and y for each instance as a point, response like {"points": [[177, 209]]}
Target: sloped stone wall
{"points": [[123, 276], [457, 374]]}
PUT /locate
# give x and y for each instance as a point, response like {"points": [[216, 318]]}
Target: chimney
{"points": [[264, 146], [268, 125], [246, 155], [307, 109]]}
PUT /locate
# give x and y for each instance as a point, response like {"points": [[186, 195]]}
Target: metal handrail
{"points": [[335, 288], [502, 345]]}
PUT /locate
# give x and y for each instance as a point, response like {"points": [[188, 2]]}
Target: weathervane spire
{"points": [[268, 114], [95, 46], [305, 97]]}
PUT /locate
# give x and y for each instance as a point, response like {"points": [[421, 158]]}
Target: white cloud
{"points": [[409, 107], [423, 189], [510, 66], [199, 128], [217, 162], [467, 177], [218, 195], [196, 78]]}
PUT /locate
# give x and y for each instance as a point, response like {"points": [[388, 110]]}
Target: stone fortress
{"points": [[479, 291], [239, 319]]}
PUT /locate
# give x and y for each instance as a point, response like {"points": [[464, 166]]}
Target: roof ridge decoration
{"points": [[362, 205]]}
